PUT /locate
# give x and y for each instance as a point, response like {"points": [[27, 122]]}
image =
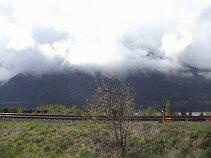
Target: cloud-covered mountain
{"points": [[155, 42], [39, 37], [186, 92]]}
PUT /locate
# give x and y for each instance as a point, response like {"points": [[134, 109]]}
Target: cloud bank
{"points": [[118, 36]]}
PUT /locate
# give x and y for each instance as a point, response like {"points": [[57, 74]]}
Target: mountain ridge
{"points": [[76, 87]]}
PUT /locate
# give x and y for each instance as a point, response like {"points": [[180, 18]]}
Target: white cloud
{"points": [[175, 42], [130, 34]]}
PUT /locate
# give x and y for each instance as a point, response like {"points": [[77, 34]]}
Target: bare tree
{"points": [[115, 99]]}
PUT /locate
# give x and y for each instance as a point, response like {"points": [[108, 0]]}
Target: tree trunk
{"points": [[123, 152]]}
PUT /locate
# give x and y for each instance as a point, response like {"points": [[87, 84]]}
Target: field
{"points": [[90, 139]]}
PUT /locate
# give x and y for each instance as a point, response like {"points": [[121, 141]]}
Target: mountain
{"points": [[76, 87], [186, 93], [55, 88]]}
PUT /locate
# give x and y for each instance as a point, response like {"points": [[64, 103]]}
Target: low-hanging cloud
{"points": [[41, 37], [48, 35]]}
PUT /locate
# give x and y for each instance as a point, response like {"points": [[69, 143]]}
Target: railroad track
{"points": [[59, 117]]}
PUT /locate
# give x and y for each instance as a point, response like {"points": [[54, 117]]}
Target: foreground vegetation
{"points": [[90, 139]]}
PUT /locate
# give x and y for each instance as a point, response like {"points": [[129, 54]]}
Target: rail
{"points": [[25, 116]]}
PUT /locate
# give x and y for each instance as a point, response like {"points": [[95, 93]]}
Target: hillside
{"points": [[76, 87]]}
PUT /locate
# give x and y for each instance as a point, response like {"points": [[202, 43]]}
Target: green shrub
{"points": [[74, 110], [150, 111], [53, 108]]}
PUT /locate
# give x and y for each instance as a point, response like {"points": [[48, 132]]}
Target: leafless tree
{"points": [[115, 99]]}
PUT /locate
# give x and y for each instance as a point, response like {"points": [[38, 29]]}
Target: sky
{"points": [[114, 36]]}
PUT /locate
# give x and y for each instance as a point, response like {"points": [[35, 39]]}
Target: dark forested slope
{"points": [[75, 87]]}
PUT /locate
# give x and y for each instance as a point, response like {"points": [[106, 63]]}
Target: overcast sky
{"points": [[42, 36]]}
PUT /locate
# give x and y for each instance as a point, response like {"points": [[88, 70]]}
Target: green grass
{"points": [[94, 140], [34, 139], [178, 139]]}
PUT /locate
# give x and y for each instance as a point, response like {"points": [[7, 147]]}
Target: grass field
{"points": [[90, 139]]}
